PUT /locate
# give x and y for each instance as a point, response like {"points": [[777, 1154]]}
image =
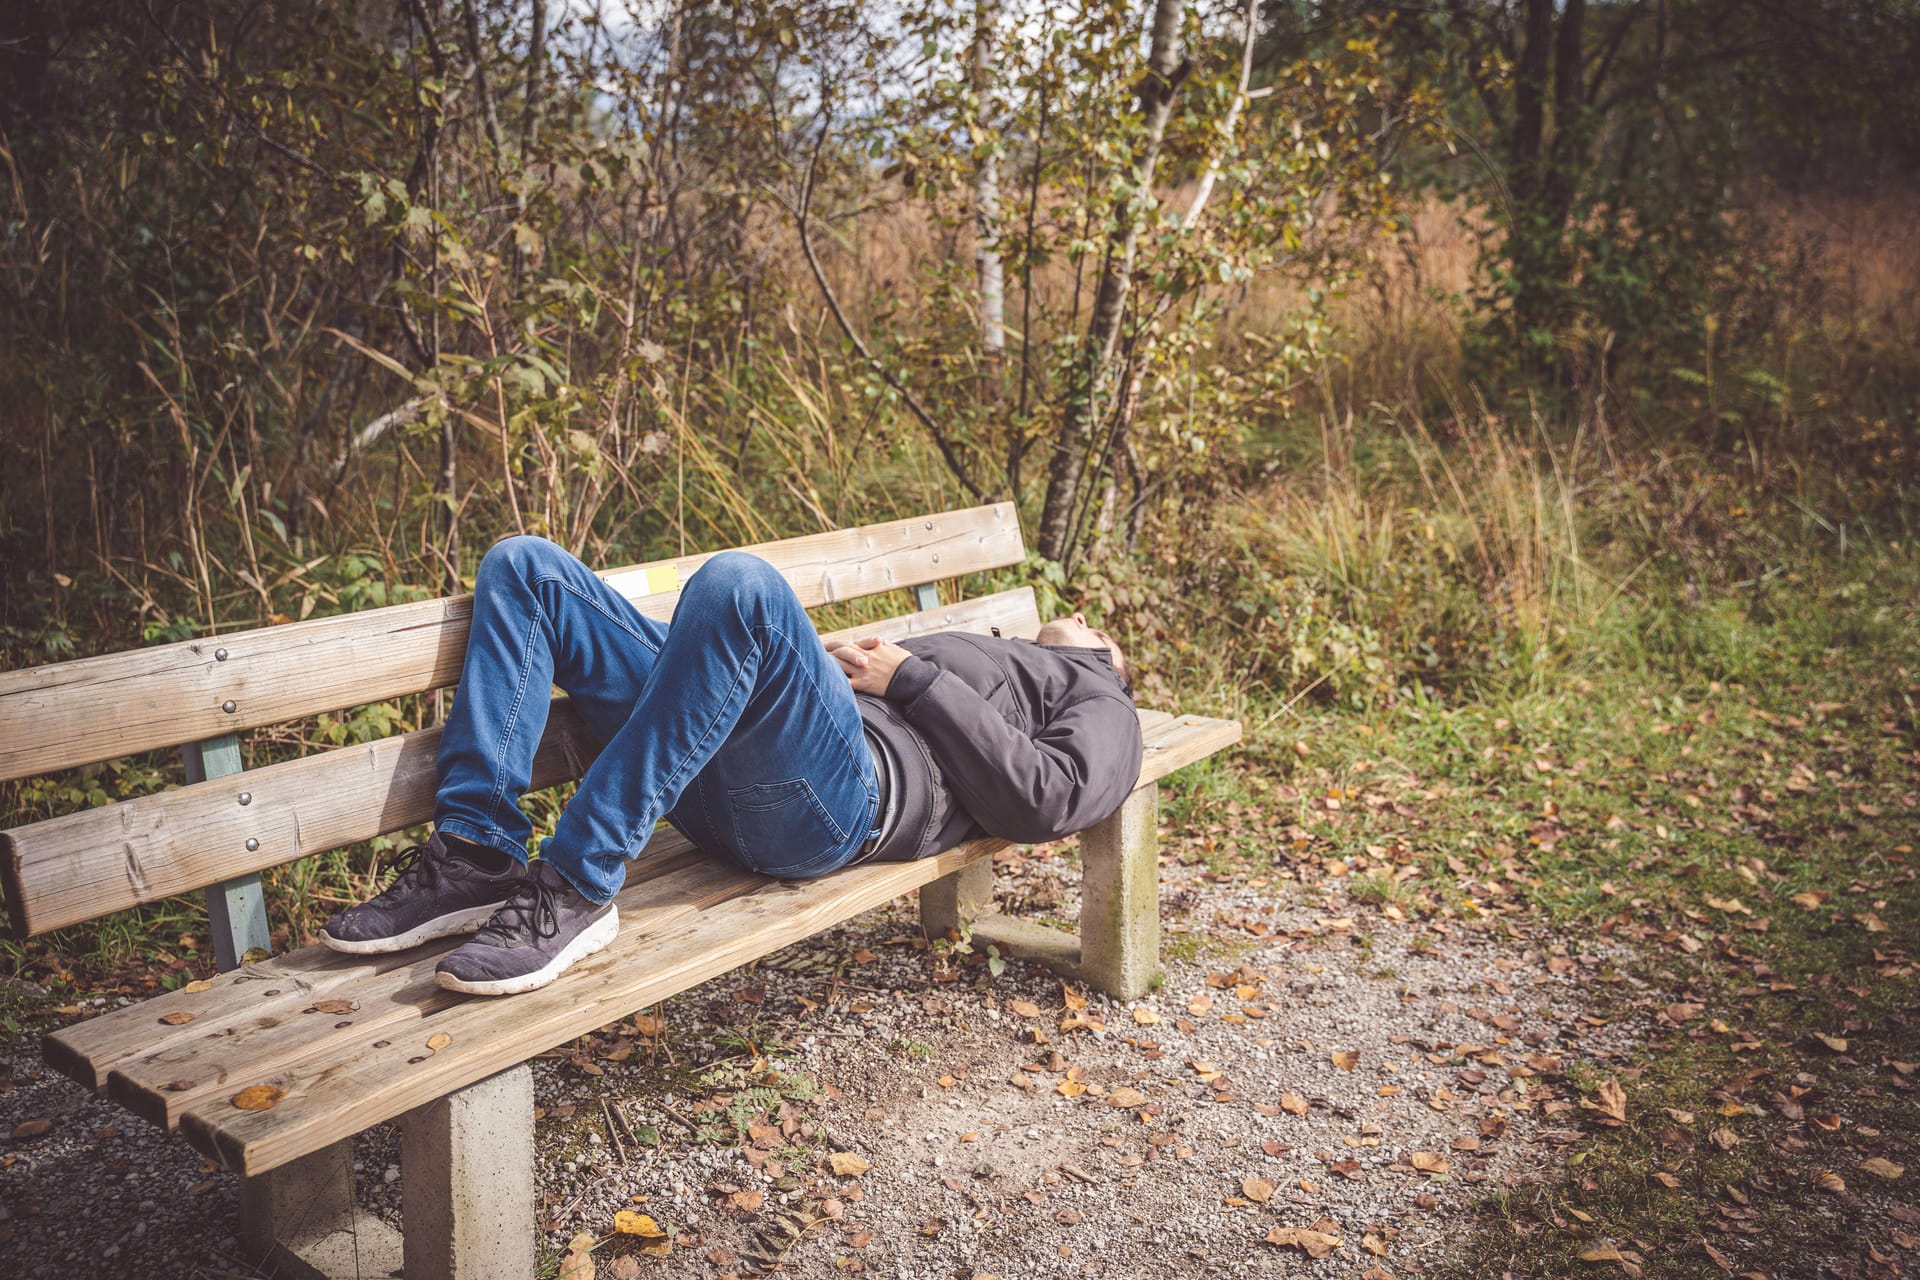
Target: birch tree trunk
{"points": [[1067, 470], [986, 195]]}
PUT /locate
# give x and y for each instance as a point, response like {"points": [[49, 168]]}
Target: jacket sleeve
{"points": [[1064, 776]]}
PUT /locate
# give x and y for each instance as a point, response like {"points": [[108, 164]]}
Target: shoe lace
{"points": [[411, 868], [534, 908]]}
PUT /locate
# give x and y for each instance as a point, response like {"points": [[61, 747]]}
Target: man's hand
{"points": [[869, 663]]}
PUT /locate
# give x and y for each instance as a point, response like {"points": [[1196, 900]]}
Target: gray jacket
{"points": [[1005, 738]]}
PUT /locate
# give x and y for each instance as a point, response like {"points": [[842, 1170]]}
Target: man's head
{"points": [[1073, 631]]}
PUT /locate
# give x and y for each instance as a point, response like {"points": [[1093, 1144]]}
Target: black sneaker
{"points": [[437, 894], [533, 939]]}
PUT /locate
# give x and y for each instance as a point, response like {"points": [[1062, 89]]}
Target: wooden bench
{"points": [[339, 1042]]}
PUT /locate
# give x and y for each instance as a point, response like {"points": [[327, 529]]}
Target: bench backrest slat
{"points": [[74, 868], [55, 717]]}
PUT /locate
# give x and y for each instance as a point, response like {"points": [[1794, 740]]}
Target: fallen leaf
{"points": [[578, 1262], [1146, 1017], [258, 1097], [1666, 1180], [629, 1223], [1717, 1258], [1601, 1253], [1126, 1098], [1610, 1100], [1315, 1244], [748, 1200], [1882, 1167], [438, 1041], [1430, 1162], [1871, 922], [1071, 998], [1070, 1088], [847, 1165], [178, 1018], [199, 984], [624, 1267], [1374, 1245], [1293, 1104], [1024, 1008], [30, 1129], [1345, 1059], [1836, 1043], [1258, 1190], [1830, 1182], [332, 1006]]}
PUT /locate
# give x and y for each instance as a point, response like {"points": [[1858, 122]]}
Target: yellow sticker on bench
{"points": [[662, 578]]}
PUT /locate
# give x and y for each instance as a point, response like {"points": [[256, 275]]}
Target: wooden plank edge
{"points": [[155, 1101], [218, 1013], [248, 1158]]}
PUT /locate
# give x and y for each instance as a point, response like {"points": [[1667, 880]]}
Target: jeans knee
{"points": [[516, 558], [736, 576]]}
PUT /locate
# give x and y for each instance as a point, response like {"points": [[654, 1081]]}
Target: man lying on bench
{"points": [[737, 726]]}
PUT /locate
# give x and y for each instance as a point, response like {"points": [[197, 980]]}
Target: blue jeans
{"points": [[733, 723]]}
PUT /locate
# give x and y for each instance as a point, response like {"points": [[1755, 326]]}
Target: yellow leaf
{"points": [[1836, 1043], [847, 1165], [179, 1018], [1072, 998], [1346, 1059], [1146, 1017], [258, 1097], [199, 984], [1126, 1098], [1881, 1167], [1601, 1253], [629, 1223], [1430, 1162], [1293, 1104], [1070, 1088], [438, 1041]]}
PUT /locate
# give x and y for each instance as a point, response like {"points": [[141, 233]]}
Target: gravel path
{"points": [[1314, 1076]]}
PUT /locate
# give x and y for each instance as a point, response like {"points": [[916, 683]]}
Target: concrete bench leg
{"points": [[468, 1188], [952, 902], [1120, 898], [1118, 950], [301, 1222]]}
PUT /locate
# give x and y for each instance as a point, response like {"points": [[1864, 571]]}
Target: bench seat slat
{"points": [[82, 865], [72, 713], [391, 1007], [340, 1084]]}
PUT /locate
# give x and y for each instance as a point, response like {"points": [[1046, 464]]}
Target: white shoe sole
{"points": [[594, 937], [446, 926]]}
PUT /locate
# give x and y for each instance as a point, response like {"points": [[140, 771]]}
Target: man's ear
{"points": [[1080, 617]]}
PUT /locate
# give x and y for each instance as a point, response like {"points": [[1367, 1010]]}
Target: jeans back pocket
{"points": [[781, 827]]}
